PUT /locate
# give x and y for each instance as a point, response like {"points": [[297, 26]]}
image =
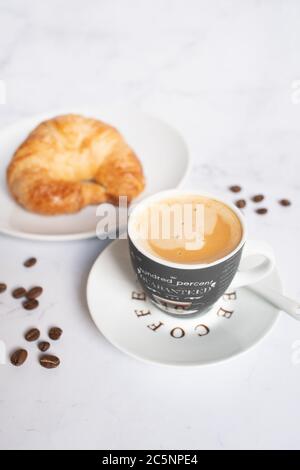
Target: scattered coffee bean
{"points": [[55, 333], [30, 262], [34, 293], [19, 357], [32, 335], [18, 293], [258, 198], [49, 362], [285, 202], [44, 346], [3, 287], [30, 304], [240, 203], [235, 188], [261, 211]]}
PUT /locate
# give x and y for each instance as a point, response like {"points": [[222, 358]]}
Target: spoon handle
{"points": [[289, 306]]}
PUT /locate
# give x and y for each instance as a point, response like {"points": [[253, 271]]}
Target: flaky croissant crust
{"points": [[70, 162]]}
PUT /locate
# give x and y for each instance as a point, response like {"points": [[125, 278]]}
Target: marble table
{"points": [[227, 75]]}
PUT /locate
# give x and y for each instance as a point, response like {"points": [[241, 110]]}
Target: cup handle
{"points": [[244, 277]]}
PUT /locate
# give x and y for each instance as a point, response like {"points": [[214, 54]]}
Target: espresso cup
{"points": [[184, 289]]}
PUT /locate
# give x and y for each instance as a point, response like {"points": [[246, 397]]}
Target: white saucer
{"points": [[161, 149], [198, 340]]}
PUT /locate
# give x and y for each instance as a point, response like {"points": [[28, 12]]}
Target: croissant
{"points": [[70, 162]]}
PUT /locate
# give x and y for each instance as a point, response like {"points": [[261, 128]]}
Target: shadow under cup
{"points": [[181, 291]]}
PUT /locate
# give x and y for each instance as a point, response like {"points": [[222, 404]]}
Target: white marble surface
{"points": [[223, 73]]}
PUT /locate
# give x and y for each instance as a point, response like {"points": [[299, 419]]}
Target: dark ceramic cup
{"points": [[184, 289]]}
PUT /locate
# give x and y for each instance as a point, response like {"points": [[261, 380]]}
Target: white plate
{"points": [[109, 293], [161, 149]]}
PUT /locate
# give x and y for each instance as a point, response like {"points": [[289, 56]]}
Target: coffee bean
{"points": [[235, 188], [49, 362], [3, 287], [258, 198], [19, 357], [240, 203], [30, 304], [18, 293], [55, 333], [32, 335], [30, 262], [44, 346], [34, 293], [261, 211], [285, 202]]}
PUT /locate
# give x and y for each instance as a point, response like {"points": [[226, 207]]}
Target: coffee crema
{"points": [[188, 229]]}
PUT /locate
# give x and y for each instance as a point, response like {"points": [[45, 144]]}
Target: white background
{"points": [[223, 72]]}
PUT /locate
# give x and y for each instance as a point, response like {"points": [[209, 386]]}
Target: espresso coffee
{"points": [[188, 229]]}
